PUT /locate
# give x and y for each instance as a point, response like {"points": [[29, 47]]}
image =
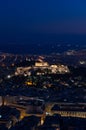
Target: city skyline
{"points": [[43, 65]]}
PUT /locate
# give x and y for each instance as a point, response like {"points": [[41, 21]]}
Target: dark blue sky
{"points": [[20, 18]]}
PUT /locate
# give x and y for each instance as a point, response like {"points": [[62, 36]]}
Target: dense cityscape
{"points": [[40, 92], [43, 65]]}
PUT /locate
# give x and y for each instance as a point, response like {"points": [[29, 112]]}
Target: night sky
{"points": [[21, 20]]}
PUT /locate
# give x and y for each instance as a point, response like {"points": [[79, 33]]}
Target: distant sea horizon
{"points": [[43, 44]]}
